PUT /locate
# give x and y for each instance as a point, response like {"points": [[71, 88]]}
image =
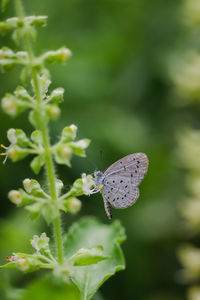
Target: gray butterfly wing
{"points": [[122, 178], [133, 166], [119, 194]]}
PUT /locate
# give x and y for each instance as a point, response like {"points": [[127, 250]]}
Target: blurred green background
{"points": [[119, 91]]}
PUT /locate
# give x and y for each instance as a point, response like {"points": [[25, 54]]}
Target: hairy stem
{"points": [[51, 177]]}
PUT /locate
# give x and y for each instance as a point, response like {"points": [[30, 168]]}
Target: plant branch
{"points": [[51, 177]]}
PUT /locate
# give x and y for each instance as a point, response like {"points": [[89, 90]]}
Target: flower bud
{"points": [[15, 197], [73, 205], [65, 54], [69, 133], [9, 105], [190, 258], [57, 95], [53, 111], [60, 55], [16, 153], [22, 264], [63, 154], [27, 185], [73, 130], [11, 136]]}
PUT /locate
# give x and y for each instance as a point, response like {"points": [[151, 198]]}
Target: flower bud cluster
{"points": [[36, 201], [42, 258], [67, 145]]}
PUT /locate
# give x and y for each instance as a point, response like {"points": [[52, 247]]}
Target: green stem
{"points": [[43, 127]]}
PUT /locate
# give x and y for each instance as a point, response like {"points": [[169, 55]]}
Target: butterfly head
{"points": [[98, 178]]}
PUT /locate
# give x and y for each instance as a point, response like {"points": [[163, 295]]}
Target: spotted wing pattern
{"points": [[133, 166], [120, 195], [122, 178]]}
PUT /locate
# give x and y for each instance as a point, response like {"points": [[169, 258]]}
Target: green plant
{"points": [[90, 252]]}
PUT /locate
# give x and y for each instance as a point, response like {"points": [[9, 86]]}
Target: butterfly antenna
{"points": [[92, 163], [101, 154]]}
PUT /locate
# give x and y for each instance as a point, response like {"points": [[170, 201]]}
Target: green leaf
{"points": [[36, 137], [34, 118], [37, 163], [63, 154], [68, 133], [87, 256], [57, 95], [10, 265], [21, 93], [46, 288], [80, 146], [77, 188], [22, 139], [36, 20], [49, 213], [89, 232], [34, 209]]}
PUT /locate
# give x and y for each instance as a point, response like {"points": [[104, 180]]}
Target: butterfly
{"points": [[118, 184]]}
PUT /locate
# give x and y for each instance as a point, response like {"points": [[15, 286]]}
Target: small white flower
{"points": [[40, 242], [89, 185], [12, 139]]}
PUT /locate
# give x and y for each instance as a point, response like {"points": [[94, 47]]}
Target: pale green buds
{"points": [[16, 153], [73, 205], [22, 264], [57, 95], [20, 197], [9, 105], [16, 103], [69, 133], [14, 23], [59, 56], [32, 186], [11, 136], [190, 258], [53, 112], [15, 197], [63, 154], [25, 262]]}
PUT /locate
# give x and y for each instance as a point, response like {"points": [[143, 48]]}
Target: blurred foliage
{"points": [[133, 73]]}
